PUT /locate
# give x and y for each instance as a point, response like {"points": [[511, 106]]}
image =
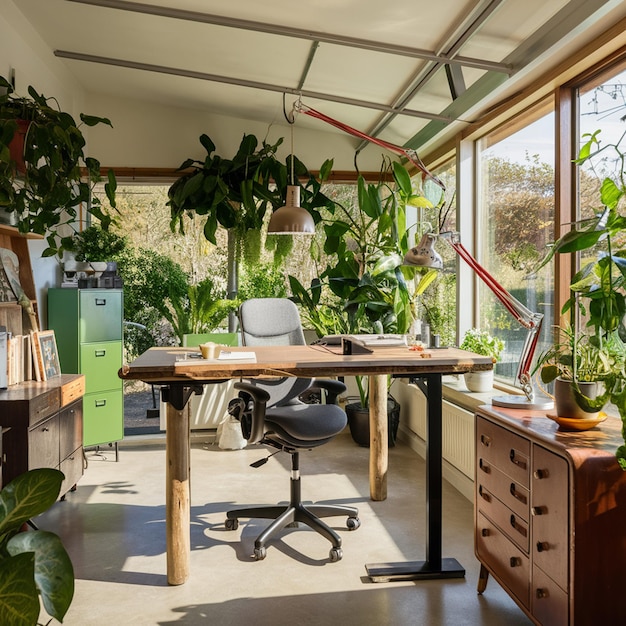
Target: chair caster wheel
{"points": [[335, 554], [353, 523], [260, 553], [231, 524]]}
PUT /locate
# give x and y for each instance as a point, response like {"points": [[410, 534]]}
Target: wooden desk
{"points": [[182, 378]]}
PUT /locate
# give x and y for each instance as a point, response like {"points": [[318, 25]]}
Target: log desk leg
{"points": [[378, 437], [177, 491], [434, 566]]}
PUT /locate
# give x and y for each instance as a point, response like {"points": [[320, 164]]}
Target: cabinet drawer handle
{"points": [[100, 353], [515, 561], [543, 546], [101, 302], [541, 593], [45, 429], [486, 441], [538, 510], [518, 527], [484, 532], [100, 403], [484, 466], [517, 495], [540, 474], [520, 462], [485, 496]]}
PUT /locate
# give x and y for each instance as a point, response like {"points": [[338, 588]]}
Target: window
{"points": [[514, 226]]}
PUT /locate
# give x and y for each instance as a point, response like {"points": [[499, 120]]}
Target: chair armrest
{"points": [[249, 409], [332, 387]]}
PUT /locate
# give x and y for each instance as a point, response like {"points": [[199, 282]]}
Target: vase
{"points": [[359, 422], [565, 401], [98, 267], [479, 382]]}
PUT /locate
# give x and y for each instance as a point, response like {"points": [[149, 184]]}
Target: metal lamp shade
{"points": [[424, 254], [291, 218]]}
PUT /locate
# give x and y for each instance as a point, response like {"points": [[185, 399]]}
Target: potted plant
{"points": [[597, 289], [578, 367], [96, 246], [34, 565], [364, 287], [56, 176], [481, 342]]}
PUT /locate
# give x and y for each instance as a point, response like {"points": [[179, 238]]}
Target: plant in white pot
{"points": [[481, 342]]}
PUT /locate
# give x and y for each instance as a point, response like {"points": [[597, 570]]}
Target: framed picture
{"points": [[47, 354]]}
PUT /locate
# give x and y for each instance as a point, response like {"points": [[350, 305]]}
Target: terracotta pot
{"points": [[479, 382], [565, 400]]}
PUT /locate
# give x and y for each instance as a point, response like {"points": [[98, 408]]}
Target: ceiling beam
{"points": [[298, 33], [173, 71]]}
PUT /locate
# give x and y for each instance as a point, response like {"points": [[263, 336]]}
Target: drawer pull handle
{"points": [[100, 403], [484, 532], [515, 561], [101, 302], [543, 546], [518, 527], [520, 462], [100, 353], [540, 474], [541, 593], [45, 429], [486, 441], [485, 496], [484, 466], [538, 510], [517, 495]]}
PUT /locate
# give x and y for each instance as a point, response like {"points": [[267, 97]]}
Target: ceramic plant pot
{"points": [[565, 400], [359, 422], [479, 382]]}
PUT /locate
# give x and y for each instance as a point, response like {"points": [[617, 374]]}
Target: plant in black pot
{"points": [[46, 176]]}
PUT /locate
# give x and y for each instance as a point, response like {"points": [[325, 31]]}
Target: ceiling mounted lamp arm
{"points": [[408, 153]]}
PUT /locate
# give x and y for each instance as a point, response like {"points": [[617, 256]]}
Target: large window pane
{"points": [[516, 222]]}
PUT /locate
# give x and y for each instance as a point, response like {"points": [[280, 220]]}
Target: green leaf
{"points": [[19, 602], [402, 178], [610, 193], [208, 145], [54, 574]]}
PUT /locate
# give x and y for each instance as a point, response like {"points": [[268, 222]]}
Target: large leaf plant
{"points": [[597, 289], [34, 566], [57, 176]]}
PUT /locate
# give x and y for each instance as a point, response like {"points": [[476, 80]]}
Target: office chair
{"points": [[271, 413]]}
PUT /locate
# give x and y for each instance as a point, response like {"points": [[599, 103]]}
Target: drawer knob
{"points": [[540, 474], [484, 466], [515, 561], [543, 546], [484, 532], [541, 593], [539, 510], [486, 441]]}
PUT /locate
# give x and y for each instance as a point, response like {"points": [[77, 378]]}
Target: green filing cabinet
{"points": [[88, 324]]}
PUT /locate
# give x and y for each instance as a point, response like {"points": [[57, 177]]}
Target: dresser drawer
{"points": [[72, 468], [43, 444], [501, 556], [511, 524], [100, 315], [510, 492], [70, 428], [549, 603], [549, 511], [43, 405], [100, 363], [507, 451]]}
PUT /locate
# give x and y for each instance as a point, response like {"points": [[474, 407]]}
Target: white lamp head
{"points": [[291, 218]]}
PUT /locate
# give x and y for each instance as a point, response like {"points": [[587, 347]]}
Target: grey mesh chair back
{"points": [[274, 322], [270, 322]]}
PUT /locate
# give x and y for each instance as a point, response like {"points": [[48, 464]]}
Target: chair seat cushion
{"points": [[305, 425]]}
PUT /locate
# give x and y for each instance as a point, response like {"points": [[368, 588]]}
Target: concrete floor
{"points": [[113, 528]]}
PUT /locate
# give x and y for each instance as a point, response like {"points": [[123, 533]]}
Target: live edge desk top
{"points": [[182, 377]]}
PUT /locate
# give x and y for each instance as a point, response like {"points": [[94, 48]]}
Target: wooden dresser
{"points": [[42, 426], [550, 516]]}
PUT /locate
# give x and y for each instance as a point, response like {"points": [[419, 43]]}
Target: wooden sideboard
{"points": [[550, 516], [42, 424]]}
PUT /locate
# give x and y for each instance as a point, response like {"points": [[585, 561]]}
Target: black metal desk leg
{"points": [[434, 566]]}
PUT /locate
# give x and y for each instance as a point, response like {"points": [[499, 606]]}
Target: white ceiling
{"points": [[377, 66]]}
